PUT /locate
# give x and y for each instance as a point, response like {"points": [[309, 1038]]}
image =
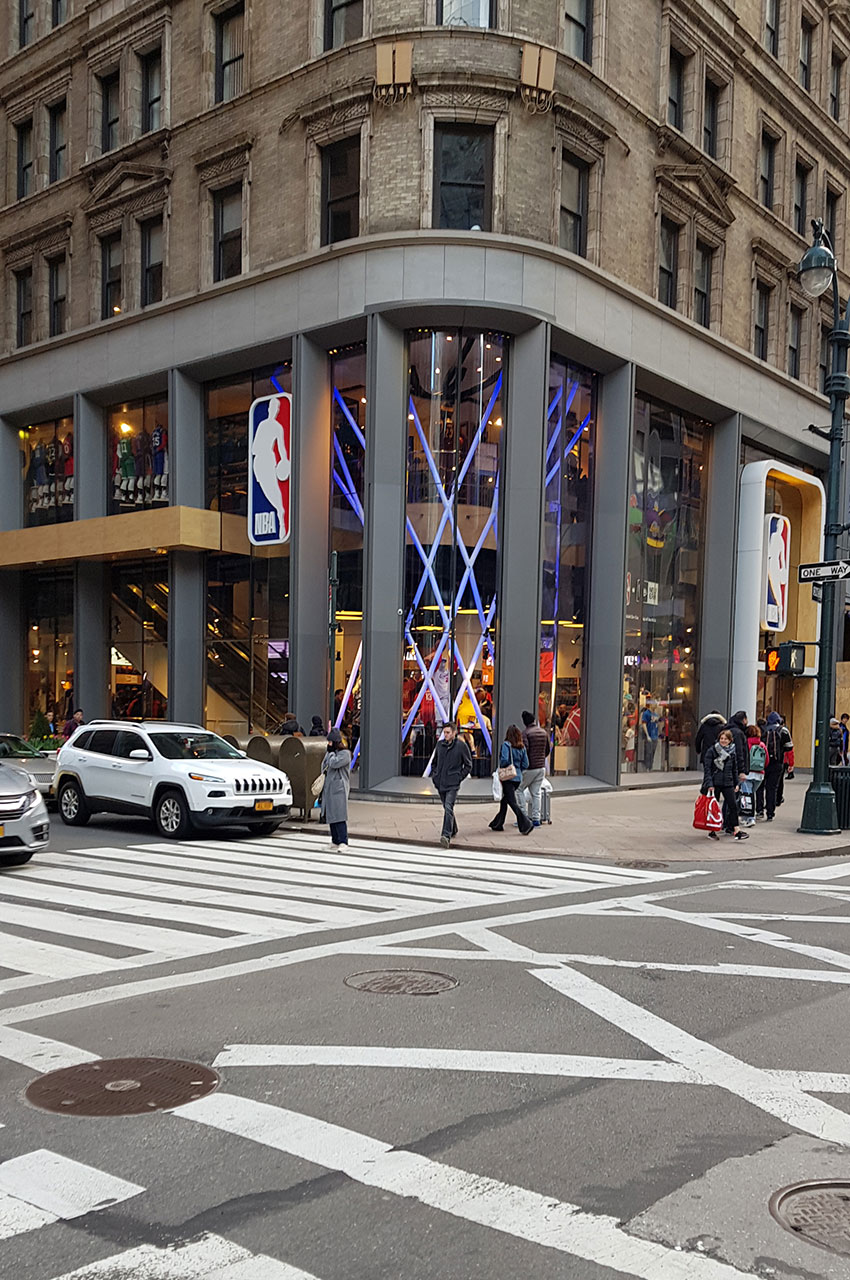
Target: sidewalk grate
{"points": [[818, 1212], [401, 982], [122, 1087]]}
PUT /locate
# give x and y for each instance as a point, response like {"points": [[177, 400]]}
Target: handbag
{"points": [[708, 815], [746, 800], [497, 787], [317, 786], [507, 773]]}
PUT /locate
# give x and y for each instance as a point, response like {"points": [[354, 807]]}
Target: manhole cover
{"points": [[122, 1087], [401, 982], [640, 865], [818, 1212]]}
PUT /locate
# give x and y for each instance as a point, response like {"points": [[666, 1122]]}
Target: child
{"points": [[755, 777]]}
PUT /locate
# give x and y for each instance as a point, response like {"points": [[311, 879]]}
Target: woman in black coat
{"points": [[720, 771]]}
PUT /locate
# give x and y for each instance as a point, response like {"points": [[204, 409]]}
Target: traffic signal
{"points": [[788, 659]]}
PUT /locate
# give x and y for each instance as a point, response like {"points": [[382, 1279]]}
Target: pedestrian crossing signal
{"points": [[788, 659]]}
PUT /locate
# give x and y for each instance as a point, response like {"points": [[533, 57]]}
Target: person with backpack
{"points": [[755, 777], [720, 771], [777, 740]]}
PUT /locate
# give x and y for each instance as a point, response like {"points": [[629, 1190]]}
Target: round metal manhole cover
{"points": [[122, 1087], [401, 982], [818, 1212]]}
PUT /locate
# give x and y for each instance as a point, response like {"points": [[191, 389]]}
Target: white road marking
{"points": [[210, 1257], [40, 1053], [754, 1085], [42, 1187], [514, 1211], [124, 933], [52, 961], [837, 872]]}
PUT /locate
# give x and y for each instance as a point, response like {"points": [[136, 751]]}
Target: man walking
{"points": [[452, 763], [536, 742], [777, 741]]}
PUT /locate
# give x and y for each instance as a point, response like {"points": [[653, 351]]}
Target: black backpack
{"points": [[773, 742]]}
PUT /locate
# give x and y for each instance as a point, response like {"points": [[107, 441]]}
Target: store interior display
{"points": [[48, 468]]}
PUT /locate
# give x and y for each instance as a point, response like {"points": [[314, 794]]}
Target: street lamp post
{"points": [[817, 271]]}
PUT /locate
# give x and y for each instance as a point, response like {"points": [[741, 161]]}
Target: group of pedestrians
{"points": [[745, 765]]}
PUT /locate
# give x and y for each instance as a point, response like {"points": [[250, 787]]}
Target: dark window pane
{"points": [[26, 22], [578, 16], [103, 741], [58, 290], [771, 27], [60, 11], [110, 87], [151, 91], [230, 54], [702, 284], [668, 263], [151, 262], [111, 276], [341, 190], [463, 178], [573, 229], [343, 22], [23, 281], [25, 159], [676, 89], [465, 13], [709, 128], [227, 213], [58, 145]]}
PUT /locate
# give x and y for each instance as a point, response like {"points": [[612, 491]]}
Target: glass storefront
{"points": [[226, 434], [665, 538], [47, 460], [247, 667], [49, 613], [567, 508], [138, 625], [348, 465], [138, 455], [455, 422]]}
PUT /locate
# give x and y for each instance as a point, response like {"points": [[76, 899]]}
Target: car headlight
{"points": [[31, 799], [206, 777]]}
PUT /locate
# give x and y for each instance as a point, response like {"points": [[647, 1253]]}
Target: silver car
{"points": [[41, 764], [24, 824]]}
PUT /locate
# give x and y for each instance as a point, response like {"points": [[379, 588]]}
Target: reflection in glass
{"points": [[665, 533], [138, 450], [567, 507], [454, 427], [138, 628], [49, 613], [228, 402], [47, 460]]}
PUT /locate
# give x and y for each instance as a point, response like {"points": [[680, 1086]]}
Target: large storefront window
{"points": [[138, 454], [227, 405], [665, 526], [348, 463], [139, 635], [47, 458], [567, 505], [49, 611], [247, 672], [454, 430]]}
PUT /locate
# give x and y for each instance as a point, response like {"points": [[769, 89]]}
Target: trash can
{"points": [[301, 761], [265, 749], [839, 776]]}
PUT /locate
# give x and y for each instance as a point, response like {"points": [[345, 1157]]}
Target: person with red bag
{"points": [[720, 772]]}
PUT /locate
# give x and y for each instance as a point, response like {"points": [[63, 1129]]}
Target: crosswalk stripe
{"points": [[837, 872], [53, 961], [210, 1257], [123, 933], [41, 1054], [44, 1187]]}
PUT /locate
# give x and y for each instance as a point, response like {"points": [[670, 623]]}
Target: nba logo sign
{"points": [[777, 564], [269, 445]]}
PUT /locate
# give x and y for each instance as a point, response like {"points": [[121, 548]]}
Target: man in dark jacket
{"points": [[709, 728], [777, 740], [536, 742], [737, 726], [452, 763]]}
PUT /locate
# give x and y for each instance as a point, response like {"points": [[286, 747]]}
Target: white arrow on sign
{"points": [[826, 571]]}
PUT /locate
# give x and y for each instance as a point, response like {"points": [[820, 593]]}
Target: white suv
{"points": [[181, 775]]}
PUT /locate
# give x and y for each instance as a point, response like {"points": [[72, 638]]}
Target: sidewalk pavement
{"points": [[641, 826]]}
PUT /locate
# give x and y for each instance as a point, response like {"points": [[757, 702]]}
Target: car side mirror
{"points": [[244, 755], [140, 754]]}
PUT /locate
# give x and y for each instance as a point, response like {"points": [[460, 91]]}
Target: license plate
{"points": [[2, 831], [263, 806]]}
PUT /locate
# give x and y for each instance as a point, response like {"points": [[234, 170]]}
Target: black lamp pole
{"points": [[817, 272]]}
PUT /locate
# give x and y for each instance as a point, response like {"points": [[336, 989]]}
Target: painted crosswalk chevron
{"points": [[210, 1257], [112, 908], [42, 1187]]}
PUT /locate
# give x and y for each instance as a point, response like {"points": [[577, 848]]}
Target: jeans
{"points": [[509, 800], [772, 779], [532, 782], [448, 800], [649, 745], [730, 807], [339, 832]]}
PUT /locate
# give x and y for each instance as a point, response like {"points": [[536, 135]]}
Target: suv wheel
{"points": [[171, 815], [73, 809]]}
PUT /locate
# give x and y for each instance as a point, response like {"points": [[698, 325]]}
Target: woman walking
{"points": [[512, 755], [720, 771], [336, 767]]}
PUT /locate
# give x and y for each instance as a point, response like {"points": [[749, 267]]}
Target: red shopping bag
{"points": [[708, 815]]}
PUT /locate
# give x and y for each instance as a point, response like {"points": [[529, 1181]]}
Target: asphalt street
{"points": [[618, 1070]]}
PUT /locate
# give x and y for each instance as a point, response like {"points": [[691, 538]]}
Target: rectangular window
{"points": [[836, 72], [227, 232], [110, 291], [823, 358], [801, 198], [771, 27], [668, 263], [58, 142], [229, 53], [795, 335], [463, 177], [767, 169], [578, 16], [151, 91], [26, 169], [110, 94], [466, 13], [343, 22], [762, 323], [23, 285], [830, 222], [703, 258], [341, 190], [709, 119], [26, 22], [573, 229], [806, 33], [57, 269], [676, 89], [60, 12], [151, 262]]}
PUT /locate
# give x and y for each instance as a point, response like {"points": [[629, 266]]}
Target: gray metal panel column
{"points": [[386, 462], [602, 696], [11, 478], [90, 460], [310, 525], [13, 712], [521, 490], [187, 594], [187, 460], [92, 639], [717, 605]]}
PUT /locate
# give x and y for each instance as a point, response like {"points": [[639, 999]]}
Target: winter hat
{"points": [[774, 719]]}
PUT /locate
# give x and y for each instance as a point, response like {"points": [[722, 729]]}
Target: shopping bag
{"points": [[708, 815], [746, 800], [497, 787]]}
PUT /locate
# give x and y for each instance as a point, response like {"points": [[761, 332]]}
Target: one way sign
{"points": [[826, 571]]}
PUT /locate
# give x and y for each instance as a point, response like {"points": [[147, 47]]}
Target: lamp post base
{"points": [[820, 815]]}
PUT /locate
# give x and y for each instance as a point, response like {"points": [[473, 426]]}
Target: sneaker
{"points": [[343, 848], [445, 841], [770, 817], [712, 835], [535, 823], [742, 835]]}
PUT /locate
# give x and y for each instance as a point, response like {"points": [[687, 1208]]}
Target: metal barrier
{"points": [[839, 776], [301, 761]]}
